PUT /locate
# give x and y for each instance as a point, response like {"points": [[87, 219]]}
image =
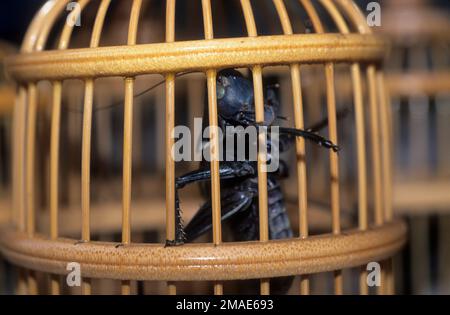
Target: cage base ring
{"points": [[199, 262]]}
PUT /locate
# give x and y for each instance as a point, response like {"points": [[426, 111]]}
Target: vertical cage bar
{"points": [[359, 21], [32, 283], [87, 129], [214, 139], [54, 158], [300, 151], [361, 157], [300, 142], [49, 20], [374, 106], [85, 171], [301, 166], [128, 140], [259, 113], [30, 173], [86, 160], [360, 135], [313, 16], [63, 44], [338, 19], [20, 164], [215, 178], [21, 288], [86, 286], [15, 156], [170, 125], [86, 140], [386, 136], [66, 34], [317, 24], [127, 161], [334, 165], [35, 29], [332, 126], [355, 15], [262, 173], [35, 39], [30, 157], [390, 277], [376, 150], [360, 131], [54, 169]]}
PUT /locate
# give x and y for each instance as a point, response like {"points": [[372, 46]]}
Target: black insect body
{"points": [[239, 182], [239, 179]]}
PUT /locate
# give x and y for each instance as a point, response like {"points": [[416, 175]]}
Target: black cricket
{"points": [[239, 179]]}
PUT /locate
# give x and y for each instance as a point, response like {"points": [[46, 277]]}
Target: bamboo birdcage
{"points": [[419, 84], [41, 253]]}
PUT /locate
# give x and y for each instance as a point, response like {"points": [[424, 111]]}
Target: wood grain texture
{"points": [[245, 260], [194, 55]]}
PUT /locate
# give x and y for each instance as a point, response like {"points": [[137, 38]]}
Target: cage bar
{"points": [[376, 150], [128, 140], [214, 139], [170, 125], [262, 157], [300, 142], [86, 140]]}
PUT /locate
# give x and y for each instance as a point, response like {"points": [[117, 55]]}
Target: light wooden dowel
{"points": [[170, 125]]}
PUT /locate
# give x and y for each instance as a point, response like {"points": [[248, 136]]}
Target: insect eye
{"points": [[220, 92]]}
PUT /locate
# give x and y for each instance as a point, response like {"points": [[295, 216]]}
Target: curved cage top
{"points": [[164, 52]]}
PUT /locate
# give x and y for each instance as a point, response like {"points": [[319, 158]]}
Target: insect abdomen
{"points": [[279, 225], [246, 224]]}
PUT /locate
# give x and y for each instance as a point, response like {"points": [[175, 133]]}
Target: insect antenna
{"points": [[80, 111]]}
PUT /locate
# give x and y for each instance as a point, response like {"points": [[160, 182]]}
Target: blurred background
{"points": [[421, 129]]}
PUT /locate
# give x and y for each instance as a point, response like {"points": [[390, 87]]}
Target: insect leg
{"points": [[180, 236], [227, 170], [232, 202]]}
